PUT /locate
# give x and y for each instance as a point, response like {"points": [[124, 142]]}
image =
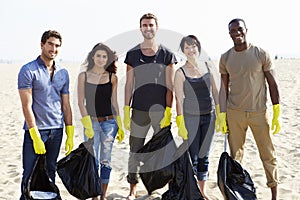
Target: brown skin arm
{"points": [[129, 85], [215, 91], [273, 87], [114, 97], [66, 108], [80, 95], [179, 93], [214, 81], [169, 84], [224, 92], [26, 101]]}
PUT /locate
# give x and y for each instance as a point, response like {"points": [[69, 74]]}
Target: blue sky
{"points": [[271, 24]]}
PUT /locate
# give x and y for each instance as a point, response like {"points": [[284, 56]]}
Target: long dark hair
{"points": [[110, 65]]}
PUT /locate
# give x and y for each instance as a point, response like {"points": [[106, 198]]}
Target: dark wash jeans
{"points": [[200, 135], [52, 139]]}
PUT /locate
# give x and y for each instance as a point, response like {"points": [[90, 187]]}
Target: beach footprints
{"points": [[12, 173]]}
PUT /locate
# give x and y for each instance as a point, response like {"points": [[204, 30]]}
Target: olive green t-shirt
{"points": [[247, 83]]}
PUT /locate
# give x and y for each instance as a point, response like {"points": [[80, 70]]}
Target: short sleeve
{"points": [[132, 57], [222, 67], [25, 78], [171, 58], [65, 89], [268, 64], [127, 61]]}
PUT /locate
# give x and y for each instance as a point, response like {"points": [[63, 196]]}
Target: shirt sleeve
{"points": [[65, 89], [126, 61], [268, 64], [222, 67], [25, 78], [171, 58]]}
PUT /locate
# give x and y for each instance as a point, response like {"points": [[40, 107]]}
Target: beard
{"points": [[48, 55], [148, 35]]}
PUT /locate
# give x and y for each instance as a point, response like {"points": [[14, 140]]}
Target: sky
{"points": [[271, 25]]}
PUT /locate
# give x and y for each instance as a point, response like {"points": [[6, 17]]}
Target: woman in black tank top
{"points": [[196, 96], [98, 105]]}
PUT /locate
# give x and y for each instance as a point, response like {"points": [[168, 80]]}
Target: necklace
{"points": [[98, 74]]}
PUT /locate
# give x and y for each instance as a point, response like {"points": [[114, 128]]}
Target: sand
{"points": [[287, 146]]}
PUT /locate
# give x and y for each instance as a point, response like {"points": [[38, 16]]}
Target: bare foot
{"points": [[274, 192], [205, 197], [131, 197], [132, 191]]}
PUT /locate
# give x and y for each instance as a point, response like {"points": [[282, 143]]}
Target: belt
{"points": [[102, 119]]}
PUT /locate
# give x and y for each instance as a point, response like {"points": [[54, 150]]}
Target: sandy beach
{"points": [[287, 146]]}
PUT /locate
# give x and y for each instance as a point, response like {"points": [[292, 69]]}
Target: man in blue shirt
{"points": [[44, 92]]}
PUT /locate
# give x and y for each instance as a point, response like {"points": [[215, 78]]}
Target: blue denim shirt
{"points": [[46, 92]]}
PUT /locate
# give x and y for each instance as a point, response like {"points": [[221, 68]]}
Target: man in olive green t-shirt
{"points": [[245, 69]]}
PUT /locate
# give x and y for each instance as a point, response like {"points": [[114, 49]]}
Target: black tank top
{"points": [[98, 98], [197, 91]]}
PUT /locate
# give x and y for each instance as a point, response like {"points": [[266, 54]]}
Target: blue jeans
{"points": [[104, 136], [201, 132], [52, 139]]}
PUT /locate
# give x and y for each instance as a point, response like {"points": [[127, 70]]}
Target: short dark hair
{"points": [[237, 20], [51, 33], [110, 65], [149, 16], [190, 40]]}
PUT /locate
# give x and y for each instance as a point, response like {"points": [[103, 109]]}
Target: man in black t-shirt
{"points": [[148, 91]]}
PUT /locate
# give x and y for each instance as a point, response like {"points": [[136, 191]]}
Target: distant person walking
{"points": [[245, 69], [44, 92]]}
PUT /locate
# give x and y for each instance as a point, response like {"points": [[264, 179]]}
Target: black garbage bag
{"points": [[184, 183], [39, 185], [163, 163], [157, 168], [79, 173], [234, 182]]}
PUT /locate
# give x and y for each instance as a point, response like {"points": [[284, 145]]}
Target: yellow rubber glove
{"points": [[87, 124], [217, 122], [120, 135], [182, 132], [166, 120], [275, 120], [38, 144], [69, 141], [223, 124], [127, 117]]}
